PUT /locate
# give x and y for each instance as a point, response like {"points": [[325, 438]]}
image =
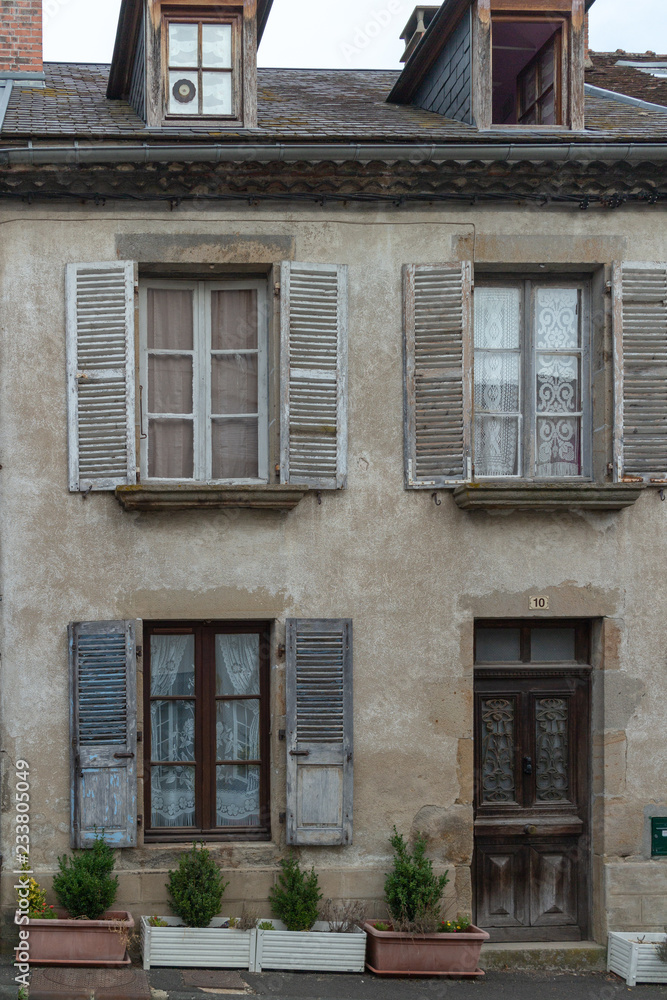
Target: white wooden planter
{"points": [[212, 947], [634, 956], [318, 950]]}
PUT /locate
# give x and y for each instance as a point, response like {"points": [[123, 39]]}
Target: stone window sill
{"points": [[187, 496], [546, 496]]}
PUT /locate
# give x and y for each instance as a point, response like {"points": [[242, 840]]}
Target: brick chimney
{"points": [[21, 39]]}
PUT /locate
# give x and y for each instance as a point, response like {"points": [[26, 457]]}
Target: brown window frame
{"points": [[205, 699], [561, 70], [201, 16], [582, 639]]}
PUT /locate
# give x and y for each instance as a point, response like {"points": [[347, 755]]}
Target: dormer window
{"points": [[527, 71], [200, 67]]}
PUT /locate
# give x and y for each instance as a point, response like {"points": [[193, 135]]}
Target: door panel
{"points": [[553, 886], [500, 873]]}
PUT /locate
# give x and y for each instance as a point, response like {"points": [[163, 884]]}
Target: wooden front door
{"points": [[532, 727]]}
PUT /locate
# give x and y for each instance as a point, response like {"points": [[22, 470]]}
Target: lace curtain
{"points": [[497, 381], [172, 730]]}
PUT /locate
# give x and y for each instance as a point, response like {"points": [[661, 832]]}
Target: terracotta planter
{"points": [[80, 942], [390, 953]]}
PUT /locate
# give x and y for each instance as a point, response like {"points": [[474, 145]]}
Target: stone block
{"points": [[449, 832], [645, 879], [610, 762], [654, 911], [624, 912], [153, 887]]}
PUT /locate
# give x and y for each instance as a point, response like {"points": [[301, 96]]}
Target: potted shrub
{"points": [[296, 939], [638, 957], [85, 930], [196, 936], [418, 941]]}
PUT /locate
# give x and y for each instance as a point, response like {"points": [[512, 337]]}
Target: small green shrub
{"points": [[38, 909], [23, 993], [661, 949], [412, 891], [84, 886], [381, 926], [265, 925], [196, 888], [295, 899], [157, 922]]}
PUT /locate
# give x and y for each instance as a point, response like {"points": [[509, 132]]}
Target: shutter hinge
{"points": [[281, 734], [607, 287], [140, 819], [282, 817], [140, 651], [276, 288]]}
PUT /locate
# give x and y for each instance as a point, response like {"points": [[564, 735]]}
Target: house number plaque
{"points": [[538, 604]]}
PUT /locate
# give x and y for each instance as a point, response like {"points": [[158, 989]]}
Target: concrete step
{"points": [[545, 956]]}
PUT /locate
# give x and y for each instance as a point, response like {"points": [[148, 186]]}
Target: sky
{"points": [[345, 34]]}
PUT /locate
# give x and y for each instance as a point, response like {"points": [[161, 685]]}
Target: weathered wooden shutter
{"points": [[438, 373], [313, 306], [319, 731], [640, 371], [104, 732], [100, 375]]}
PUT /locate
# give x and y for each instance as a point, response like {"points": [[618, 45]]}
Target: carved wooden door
{"points": [[531, 798]]}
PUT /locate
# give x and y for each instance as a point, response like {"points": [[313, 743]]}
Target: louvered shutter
{"points": [[319, 731], [313, 306], [640, 376], [100, 375], [438, 373], [104, 732]]}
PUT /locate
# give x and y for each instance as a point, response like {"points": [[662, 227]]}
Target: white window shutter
{"points": [[313, 447], [100, 375], [103, 705], [319, 731], [640, 371], [437, 302]]}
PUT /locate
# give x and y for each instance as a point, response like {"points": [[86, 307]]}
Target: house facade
{"points": [[334, 419]]}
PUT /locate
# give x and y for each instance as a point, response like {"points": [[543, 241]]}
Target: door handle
{"points": [[530, 830], [299, 753], [119, 756], [527, 765]]}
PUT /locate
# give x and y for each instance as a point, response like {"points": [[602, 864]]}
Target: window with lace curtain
{"points": [[531, 379], [206, 728]]}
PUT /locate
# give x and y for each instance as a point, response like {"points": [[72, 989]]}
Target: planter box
{"points": [[634, 957], [317, 950], [391, 953], [212, 947], [80, 942]]}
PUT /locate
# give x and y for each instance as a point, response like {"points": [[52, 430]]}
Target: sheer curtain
{"points": [[497, 381], [172, 731]]}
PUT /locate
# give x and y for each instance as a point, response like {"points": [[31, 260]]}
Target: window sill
{"points": [[191, 497], [546, 496]]}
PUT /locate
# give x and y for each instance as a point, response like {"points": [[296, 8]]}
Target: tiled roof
{"points": [[295, 105], [607, 73]]}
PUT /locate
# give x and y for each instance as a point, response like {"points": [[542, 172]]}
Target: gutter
{"points": [[75, 154]]}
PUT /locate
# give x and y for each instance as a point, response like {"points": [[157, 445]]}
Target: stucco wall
{"points": [[411, 574]]}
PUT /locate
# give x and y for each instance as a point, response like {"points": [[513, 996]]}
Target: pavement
{"points": [[176, 984]]}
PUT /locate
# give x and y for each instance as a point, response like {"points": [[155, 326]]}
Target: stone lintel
{"points": [[546, 496]]}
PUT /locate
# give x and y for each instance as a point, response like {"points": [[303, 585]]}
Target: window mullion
{"points": [[203, 410], [529, 408]]}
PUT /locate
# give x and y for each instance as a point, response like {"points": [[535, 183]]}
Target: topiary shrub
{"points": [[196, 888], [295, 899], [412, 891], [84, 887]]}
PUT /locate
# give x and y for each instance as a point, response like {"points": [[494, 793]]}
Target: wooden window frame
{"points": [[528, 410], [582, 641], [205, 699], [201, 16], [561, 71], [534, 66], [201, 353]]}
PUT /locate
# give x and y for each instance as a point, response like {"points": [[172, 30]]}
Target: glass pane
{"points": [[497, 381], [550, 645], [497, 750], [217, 93], [217, 46], [170, 319], [234, 383], [172, 730], [183, 93], [558, 446], [547, 69], [558, 386], [528, 88], [235, 444], [496, 446], [170, 449], [237, 730], [172, 665], [551, 750], [183, 43], [169, 384], [172, 796], [237, 795], [548, 110], [497, 312], [556, 319], [498, 645], [236, 664], [234, 320]]}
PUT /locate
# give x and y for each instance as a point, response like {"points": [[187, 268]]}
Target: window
{"points": [[200, 68], [527, 70], [206, 703], [531, 381], [204, 381]]}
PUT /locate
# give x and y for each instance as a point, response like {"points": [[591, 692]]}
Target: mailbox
{"points": [[659, 836]]}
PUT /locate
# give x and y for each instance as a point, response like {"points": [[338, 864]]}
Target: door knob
{"points": [[527, 765], [530, 830]]}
